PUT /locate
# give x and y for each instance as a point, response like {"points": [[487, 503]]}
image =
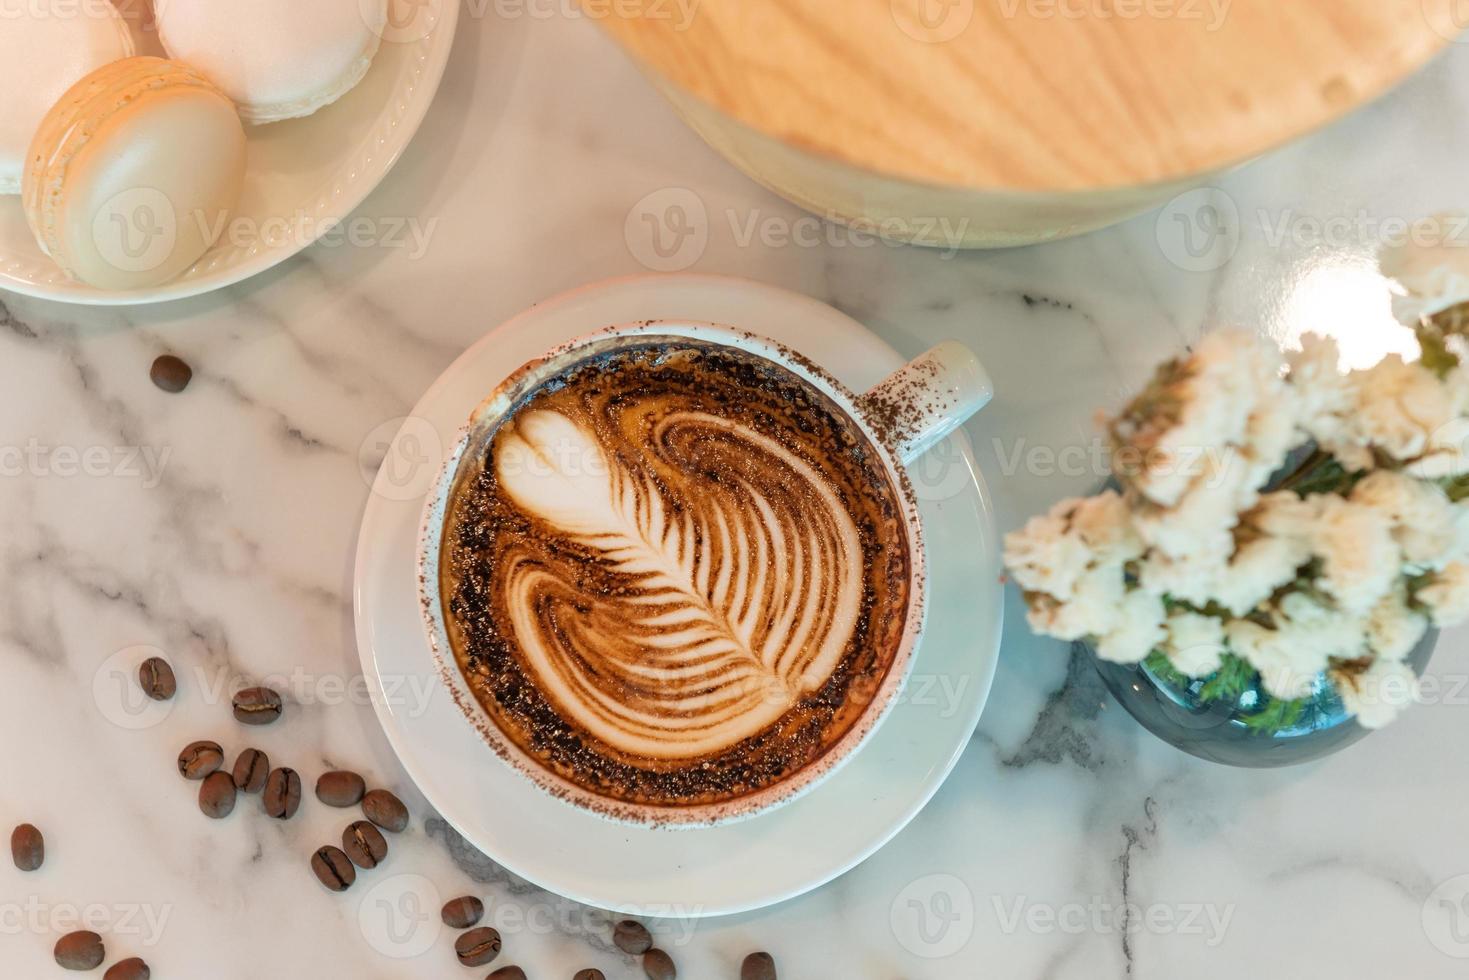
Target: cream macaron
{"points": [[133, 174], [278, 59], [45, 47]]}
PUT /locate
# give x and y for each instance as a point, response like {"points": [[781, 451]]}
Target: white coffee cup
{"points": [[902, 418]]}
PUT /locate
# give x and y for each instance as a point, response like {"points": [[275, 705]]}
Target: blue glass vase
{"points": [[1218, 731]]}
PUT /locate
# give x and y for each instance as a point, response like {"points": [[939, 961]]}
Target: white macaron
{"points": [[134, 173], [45, 48], [278, 59]]}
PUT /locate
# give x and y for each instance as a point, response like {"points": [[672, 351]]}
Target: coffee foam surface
{"points": [[675, 574]]}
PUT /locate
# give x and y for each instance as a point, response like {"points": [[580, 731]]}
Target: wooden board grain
{"points": [[1036, 95]]}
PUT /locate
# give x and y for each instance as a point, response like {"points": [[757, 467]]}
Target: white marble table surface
{"points": [[219, 527]]}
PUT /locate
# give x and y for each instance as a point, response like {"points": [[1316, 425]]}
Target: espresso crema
{"points": [[677, 575]]}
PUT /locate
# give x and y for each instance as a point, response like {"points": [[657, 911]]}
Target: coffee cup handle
{"points": [[915, 408]]}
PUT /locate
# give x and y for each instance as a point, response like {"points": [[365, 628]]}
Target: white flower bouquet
{"points": [[1280, 525]]}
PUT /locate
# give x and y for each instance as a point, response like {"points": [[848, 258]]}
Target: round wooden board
{"points": [[1035, 95]]}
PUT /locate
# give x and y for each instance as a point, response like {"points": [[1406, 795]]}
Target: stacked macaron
{"points": [[43, 52], [129, 167], [133, 172], [278, 59]]}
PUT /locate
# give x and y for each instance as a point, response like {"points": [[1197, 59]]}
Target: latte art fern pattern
{"points": [[676, 575], [739, 583]]}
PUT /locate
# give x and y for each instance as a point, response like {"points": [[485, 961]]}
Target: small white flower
{"points": [[1400, 406], [1328, 401], [1104, 524], [1434, 275], [1044, 557], [1235, 424], [1092, 609], [1138, 632], [1287, 669], [1195, 643], [1378, 694], [1259, 568], [1360, 559], [1394, 629], [1446, 595], [1422, 518]]}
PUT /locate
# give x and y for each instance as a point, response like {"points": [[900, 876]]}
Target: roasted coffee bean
{"points": [[658, 965], [199, 759], [171, 374], [80, 951], [385, 810], [589, 975], [251, 768], [341, 789], [133, 969], [333, 869], [632, 937], [257, 706], [477, 946], [758, 966], [365, 845], [463, 913], [282, 793], [27, 847], [157, 679], [217, 795], [507, 973]]}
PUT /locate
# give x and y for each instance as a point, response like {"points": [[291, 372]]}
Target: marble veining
{"points": [[219, 526]]}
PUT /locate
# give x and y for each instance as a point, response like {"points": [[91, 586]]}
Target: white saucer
{"points": [[682, 873], [303, 177]]}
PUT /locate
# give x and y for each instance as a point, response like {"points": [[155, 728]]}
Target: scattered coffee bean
{"points": [[463, 913], [157, 679], [385, 810], [80, 951], [365, 845], [341, 789], [133, 969], [171, 374], [758, 966], [507, 973], [589, 975], [333, 869], [632, 937], [199, 759], [257, 706], [658, 965], [477, 946], [282, 793], [27, 847], [251, 768], [217, 795]]}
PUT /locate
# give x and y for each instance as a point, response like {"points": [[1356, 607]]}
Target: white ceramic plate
{"points": [[303, 175], [696, 872]]}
